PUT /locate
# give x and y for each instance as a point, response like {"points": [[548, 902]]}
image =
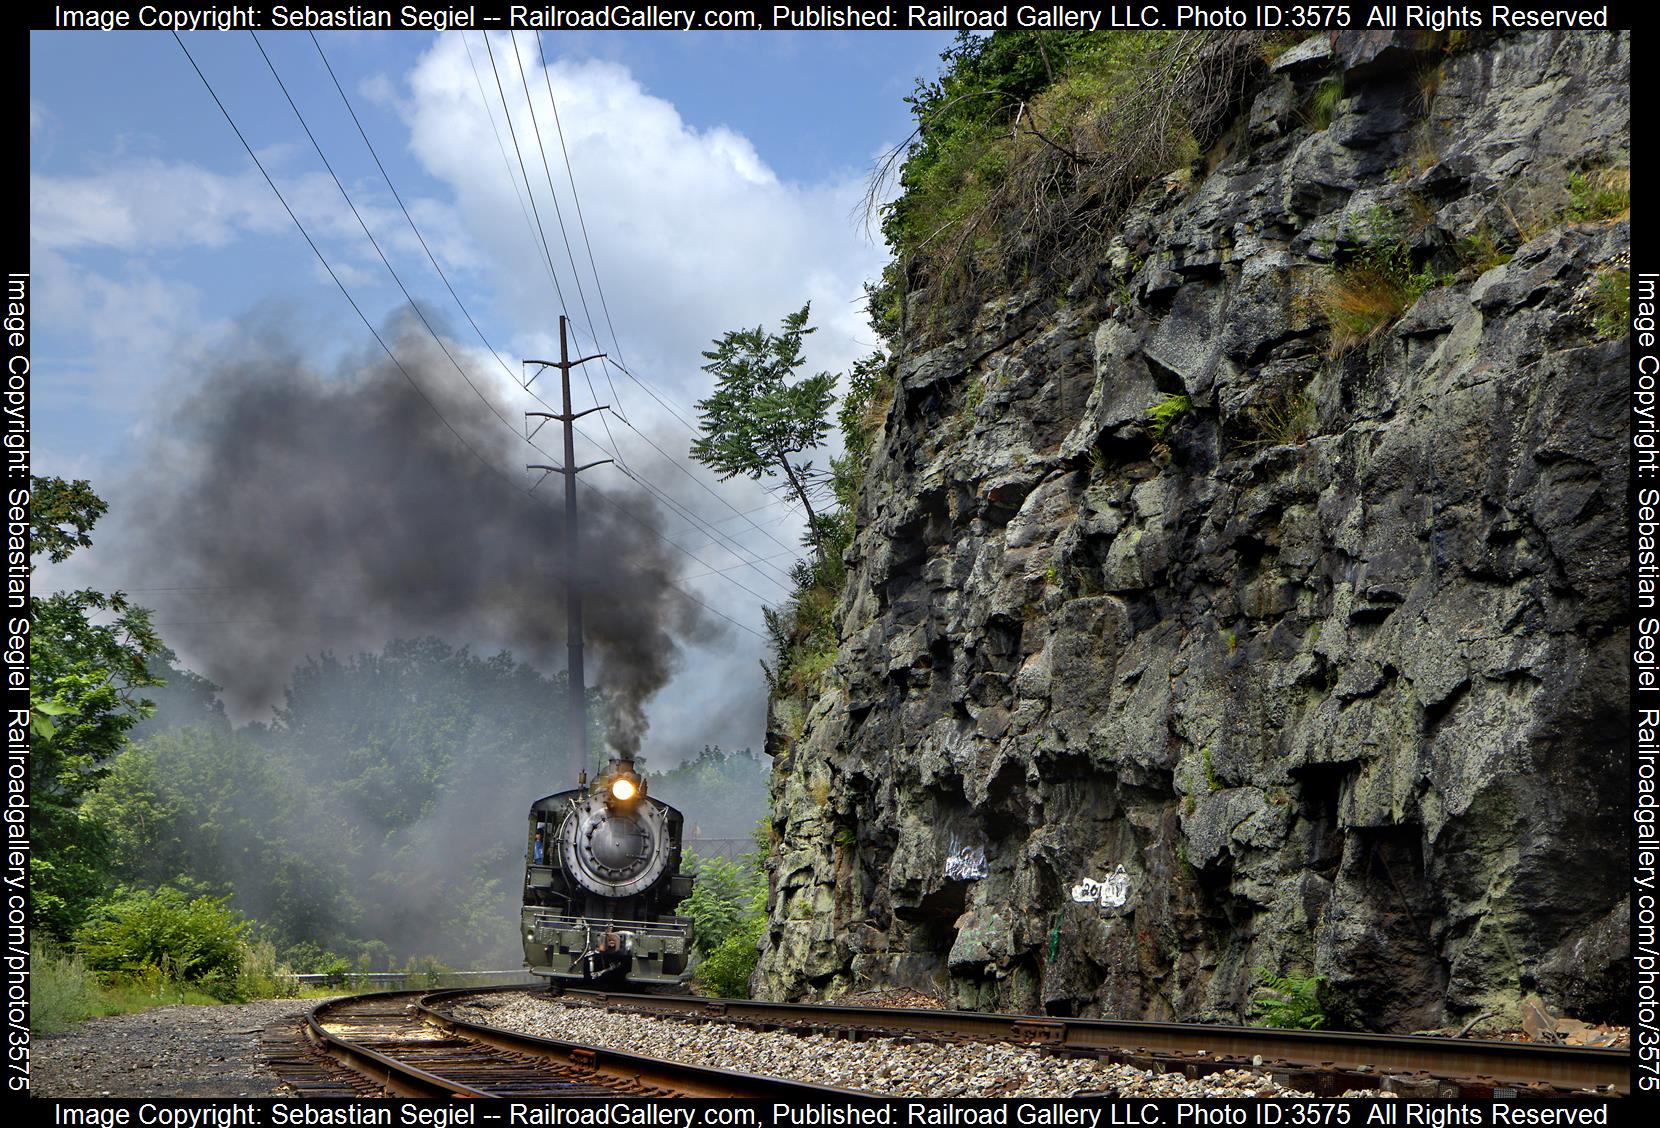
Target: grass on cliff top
{"points": [[1029, 147]]}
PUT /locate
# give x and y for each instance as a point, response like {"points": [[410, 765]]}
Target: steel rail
{"points": [[555, 1066], [1502, 1063], [394, 1076]]}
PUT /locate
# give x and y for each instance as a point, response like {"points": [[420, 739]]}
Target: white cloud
{"points": [[145, 205], [148, 204], [694, 234]]}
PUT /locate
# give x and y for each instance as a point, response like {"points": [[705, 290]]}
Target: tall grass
{"points": [[1610, 304], [1323, 104], [1599, 194], [1365, 296], [64, 991]]}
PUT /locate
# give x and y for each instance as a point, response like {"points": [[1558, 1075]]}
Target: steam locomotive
{"points": [[602, 879]]}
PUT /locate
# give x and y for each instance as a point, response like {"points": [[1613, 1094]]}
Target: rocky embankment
{"points": [[1333, 668]]}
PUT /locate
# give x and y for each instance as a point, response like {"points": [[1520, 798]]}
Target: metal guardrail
{"points": [[326, 977], [726, 849]]}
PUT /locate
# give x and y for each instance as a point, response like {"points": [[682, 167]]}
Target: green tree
{"points": [[721, 793], [61, 515], [756, 420], [84, 690]]}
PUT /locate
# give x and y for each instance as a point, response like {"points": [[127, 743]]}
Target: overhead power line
{"points": [[541, 233], [419, 313], [415, 228], [314, 250], [491, 349], [306, 235], [599, 286]]}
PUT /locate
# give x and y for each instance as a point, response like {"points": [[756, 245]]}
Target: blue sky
{"points": [[718, 175]]}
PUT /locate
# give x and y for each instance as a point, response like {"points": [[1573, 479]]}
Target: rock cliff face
{"points": [[1334, 669]]}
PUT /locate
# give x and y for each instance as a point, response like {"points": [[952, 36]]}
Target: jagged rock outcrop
{"points": [[1335, 669]]}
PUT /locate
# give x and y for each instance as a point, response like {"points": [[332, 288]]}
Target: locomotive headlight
{"points": [[622, 789]]}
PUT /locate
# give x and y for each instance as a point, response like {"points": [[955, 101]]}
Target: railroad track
{"points": [[393, 1044], [404, 1043], [1327, 1063]]}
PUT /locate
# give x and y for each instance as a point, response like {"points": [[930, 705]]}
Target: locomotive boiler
{"points": [[602, 879]]}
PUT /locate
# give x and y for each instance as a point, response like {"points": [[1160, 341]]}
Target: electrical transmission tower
{"points": [[577, 721]]}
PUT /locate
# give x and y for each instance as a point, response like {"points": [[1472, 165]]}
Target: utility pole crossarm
{"points": [[577, 415], [564, 366], [556, 363]]}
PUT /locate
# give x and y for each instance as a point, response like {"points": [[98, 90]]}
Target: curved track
{"points": [[403, 1047], [404, 1044]]}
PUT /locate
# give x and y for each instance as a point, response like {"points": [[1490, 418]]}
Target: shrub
{"points": [[262, 976], [426, 971], [803, 630], [1288, 1001], [725, 971], [1480, 252], [308, 959], [726, 898], [138, 934]]}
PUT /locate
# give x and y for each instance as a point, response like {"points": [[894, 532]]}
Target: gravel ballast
{"points": [[177, 1051], [887, 1066]]}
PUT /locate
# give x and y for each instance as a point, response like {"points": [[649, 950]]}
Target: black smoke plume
{"points": [[339, 510]]}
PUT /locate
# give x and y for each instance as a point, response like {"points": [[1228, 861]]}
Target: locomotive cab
{"points": [[602, 879]]}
